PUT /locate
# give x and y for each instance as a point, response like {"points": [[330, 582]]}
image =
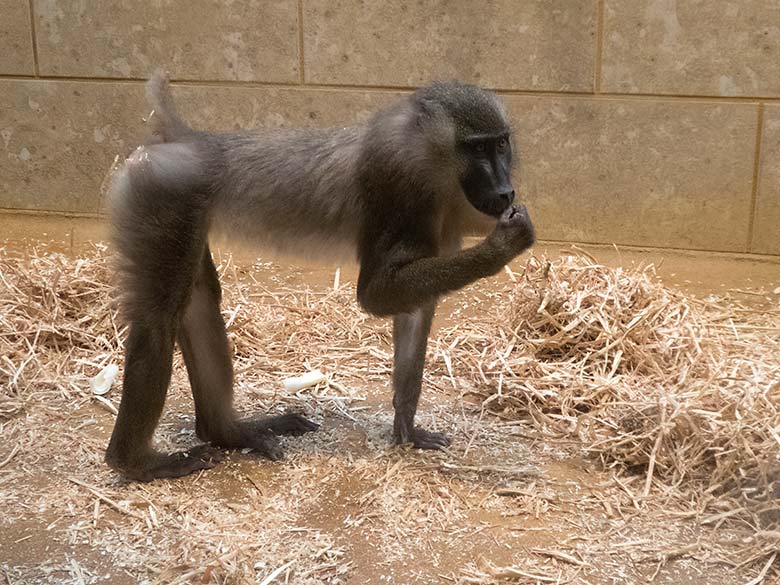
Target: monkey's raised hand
{"points": [[513, 233]]}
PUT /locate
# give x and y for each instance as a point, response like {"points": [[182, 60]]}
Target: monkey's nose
{"points": [[508, 196]]}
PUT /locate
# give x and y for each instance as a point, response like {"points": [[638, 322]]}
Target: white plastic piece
{"points": [[101, 383], [300, 382]]}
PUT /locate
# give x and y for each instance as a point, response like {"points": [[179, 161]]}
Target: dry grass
{"points": [[59, 324], [685, 392], [58, 328], [679, 396], [275, 330]]}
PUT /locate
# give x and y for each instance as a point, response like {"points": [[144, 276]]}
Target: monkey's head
{"points": [[472, 123]]}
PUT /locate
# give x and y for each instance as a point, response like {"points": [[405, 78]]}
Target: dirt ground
{"points": [[345, 506]]}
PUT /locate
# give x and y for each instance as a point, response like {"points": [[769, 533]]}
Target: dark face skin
{"points": [[487, 181]]}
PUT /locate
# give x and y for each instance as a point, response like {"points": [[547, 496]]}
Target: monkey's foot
{"points": [[422, 439], [260, 433], [290, 424], [155, 465]]}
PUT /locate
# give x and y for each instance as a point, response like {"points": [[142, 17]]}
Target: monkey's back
{"points": [[291, 191]]}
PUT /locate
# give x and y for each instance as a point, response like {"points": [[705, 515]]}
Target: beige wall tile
{"points": [[639, 172], [59, 137], [536, 44], [16, 50], [727, 48], [233, 108], [253, 40], [766, 225]]}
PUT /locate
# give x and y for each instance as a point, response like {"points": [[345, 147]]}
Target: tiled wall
{"points": [[640, 122]]}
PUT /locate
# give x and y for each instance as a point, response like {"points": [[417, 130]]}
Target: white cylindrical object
{"points": [[101, 383], [300, 382]]}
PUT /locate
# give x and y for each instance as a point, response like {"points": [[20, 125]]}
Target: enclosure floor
{"points": [[503, 492]]}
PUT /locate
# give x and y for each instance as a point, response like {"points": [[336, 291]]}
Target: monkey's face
{"points": [[487, 181]]}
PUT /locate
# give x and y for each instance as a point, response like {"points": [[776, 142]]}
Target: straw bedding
{"points": [[683, 392], [687, 390]]}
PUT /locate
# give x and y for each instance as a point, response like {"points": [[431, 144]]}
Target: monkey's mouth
{"points": [[495, 208]]}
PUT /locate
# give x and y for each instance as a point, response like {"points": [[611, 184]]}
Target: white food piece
{"points": [[101, 383], [300, 382]]}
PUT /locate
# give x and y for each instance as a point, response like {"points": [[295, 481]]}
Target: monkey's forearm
{"points": [[402, 289]]}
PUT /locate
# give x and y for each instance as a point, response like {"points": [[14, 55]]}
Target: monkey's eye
{"points": [[502, 144], [480, 147]]}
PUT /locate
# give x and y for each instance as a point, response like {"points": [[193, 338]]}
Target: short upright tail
{"points": [[165, 121]]}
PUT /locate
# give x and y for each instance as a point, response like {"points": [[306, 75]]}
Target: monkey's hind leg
{"points": [[410, 337], [159, 230], [204, 344], [149, 352]]}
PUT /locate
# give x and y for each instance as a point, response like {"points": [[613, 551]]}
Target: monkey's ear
{"points": [[436, 125], [431, 113], [429, 108]]}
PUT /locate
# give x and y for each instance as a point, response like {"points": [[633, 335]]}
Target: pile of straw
{"points": [[274, 328], [647, 377], [57, 326], [685, 391]]}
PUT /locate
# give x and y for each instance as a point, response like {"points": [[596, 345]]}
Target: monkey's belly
{"points": [[325, 242]]}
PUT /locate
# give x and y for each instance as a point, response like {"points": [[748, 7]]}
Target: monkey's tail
{"points": [[165, 121]]}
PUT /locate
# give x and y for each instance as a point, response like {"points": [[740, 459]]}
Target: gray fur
{"points": [[292, 192]]}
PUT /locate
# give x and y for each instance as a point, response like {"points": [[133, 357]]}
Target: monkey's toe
{"points": [[264, 442], [291, 424], [161, 466], [205, 453], [423, 439]]}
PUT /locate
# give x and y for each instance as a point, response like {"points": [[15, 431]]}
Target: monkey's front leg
{"points": [[410, 338], [389, 285]]}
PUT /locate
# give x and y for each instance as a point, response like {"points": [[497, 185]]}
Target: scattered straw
{"points": [[679, 398]]}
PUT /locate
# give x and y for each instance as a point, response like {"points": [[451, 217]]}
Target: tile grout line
{"points": [[599, 46], [34, 38], [301, 61], [49, 213], [226, 83], [756, 178]]}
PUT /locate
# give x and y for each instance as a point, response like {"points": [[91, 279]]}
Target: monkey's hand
{"points": [[403, 285], [513, 233]]}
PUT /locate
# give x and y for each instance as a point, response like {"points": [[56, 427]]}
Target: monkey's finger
{"points": [[509, 212], [274, 453]]}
